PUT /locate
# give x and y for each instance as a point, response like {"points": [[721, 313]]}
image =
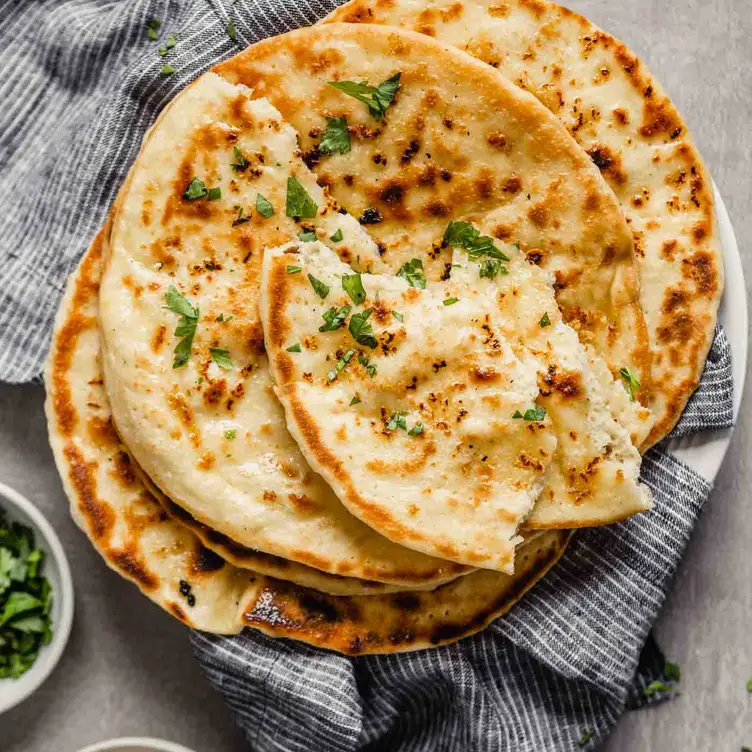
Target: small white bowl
{"points": [[57, 571], [133, 744]]}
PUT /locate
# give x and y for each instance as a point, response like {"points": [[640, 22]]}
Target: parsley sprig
{"points": [[25, 600], [186, 328], [376, 98], [361, 330], [412, 271], [299, 204], [479, 247], [336, 137], [631, 382], [532, 413]]}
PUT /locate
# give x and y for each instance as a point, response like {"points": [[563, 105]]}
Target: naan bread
{"points": [[409, 418], [210, 433], [623, 120], [459, 141], [171, 567], [594, 476]]}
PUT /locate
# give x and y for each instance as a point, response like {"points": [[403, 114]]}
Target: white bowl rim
{"points": [[65, 597], [147, 744]]}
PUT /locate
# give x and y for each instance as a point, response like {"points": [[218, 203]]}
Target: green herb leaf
{"points": [[398, 316], [544, 321], [241, 218], [533, 413], [166, 70], [336, 137], [241, 163], [416, 430], [464, 235], [321, 289], [413, 272], [196, 189], [631, 382], [337, 237], [294, 269], [361, 329], [172, 40], [451, 301], [397, 421], [307, 236], [365, 361], [213, 194], [586, 737], [672, 671], [152, 29], [230, 434], [355, 401], [491, 268], [186, 328], [749, 685], [299, 204], [294, 348], [341, 363], [352, 284], [657, 686], [231, 30], [334, 319], [18, 602], [377, 98], [264, 207], [224, 318], [221, 358]]}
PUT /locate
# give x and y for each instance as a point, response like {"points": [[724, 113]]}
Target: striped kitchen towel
{"points": [[82, 80]]}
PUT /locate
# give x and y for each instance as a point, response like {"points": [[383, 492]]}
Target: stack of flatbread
{"points": [[385, 309]]}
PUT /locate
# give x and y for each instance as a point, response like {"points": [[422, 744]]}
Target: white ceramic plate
{"points": [[133, 744], [57, 571], [705, 451]]}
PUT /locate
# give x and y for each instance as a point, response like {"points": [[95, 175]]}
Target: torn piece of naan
{"points": [[408, 403]]}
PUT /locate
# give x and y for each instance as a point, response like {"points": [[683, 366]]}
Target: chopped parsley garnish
{"points": [[586, 737], [294, 348], [451, 301], [307, 236], [213, 194], [334, 318], [544, 321], [491, 268], [321, 289], [152, 29], [365, 361], [361, 329], [352, 284], [222, 317], [416, 430], [532, 413], [631, 382], [341, 363], [230, 434], [398, 316], [376, 98], [299, 204], [196, 189], [241, 163], [336, 137], [412, 271], [464, 235], [25, 600], [657, 686], [231, 30], [264, 207], [241, 218], [354, 401], [294, 269], [166, 70], [336, 237], [186, 328], [397, 421], [171, 42], [221, 357]]}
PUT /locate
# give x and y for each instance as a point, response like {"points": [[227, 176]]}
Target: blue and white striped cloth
{"points": [[81, 83]]}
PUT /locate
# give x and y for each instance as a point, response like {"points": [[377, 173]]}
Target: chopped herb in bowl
{"points": [[25, 600]]}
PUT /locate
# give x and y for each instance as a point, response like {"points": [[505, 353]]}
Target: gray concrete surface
{"points": [[129, 670]]}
